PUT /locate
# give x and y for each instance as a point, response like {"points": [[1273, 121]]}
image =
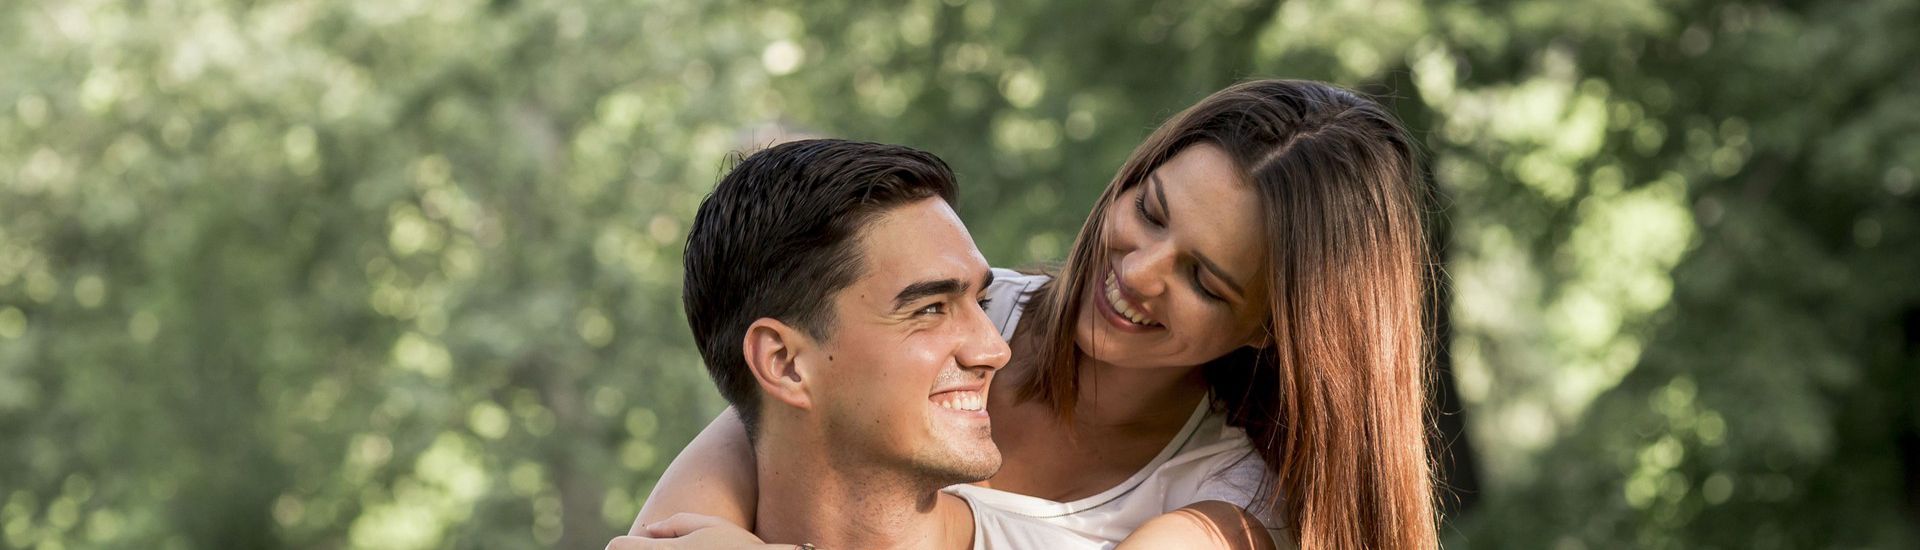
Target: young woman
{"points": [[1238, 325]]}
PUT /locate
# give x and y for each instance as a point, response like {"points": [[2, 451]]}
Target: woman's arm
{"points": [[1209, 524], [714, 476]]}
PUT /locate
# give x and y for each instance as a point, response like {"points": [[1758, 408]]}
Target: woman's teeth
{"points": [[1120, 305], [961, 400]]}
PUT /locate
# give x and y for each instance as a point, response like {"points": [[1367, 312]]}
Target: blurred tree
{"points": [[367, 274], [403, 274], [1752, 376]]}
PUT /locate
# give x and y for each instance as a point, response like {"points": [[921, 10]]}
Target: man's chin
{"points": [[982, 469], [963, 466]]}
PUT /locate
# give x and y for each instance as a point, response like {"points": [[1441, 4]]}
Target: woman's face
{"points": [[1182, 283]]}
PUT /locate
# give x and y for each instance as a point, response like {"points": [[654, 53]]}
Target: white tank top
{"points": [[1206, 460]]}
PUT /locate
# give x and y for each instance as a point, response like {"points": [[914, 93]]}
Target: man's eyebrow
{"points": [[986, 280], [923, 289]]}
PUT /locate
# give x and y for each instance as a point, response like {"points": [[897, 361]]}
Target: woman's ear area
{"points": [[774, 353], [1262, 336]]}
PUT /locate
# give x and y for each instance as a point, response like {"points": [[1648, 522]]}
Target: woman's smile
{"points": [[1123, 313]]}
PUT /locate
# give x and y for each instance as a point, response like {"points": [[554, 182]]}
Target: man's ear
{"points": [[774, 350]]}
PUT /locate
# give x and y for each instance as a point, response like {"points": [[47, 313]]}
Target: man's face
{"points": [[911, 354]]}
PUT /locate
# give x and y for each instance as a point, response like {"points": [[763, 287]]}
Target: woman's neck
{"points": [[1123, 397]]}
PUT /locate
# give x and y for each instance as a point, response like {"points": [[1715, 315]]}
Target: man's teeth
{"points": [[961, 400], [1120, 305]]}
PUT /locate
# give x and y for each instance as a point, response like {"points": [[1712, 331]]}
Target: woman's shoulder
{"points": [[1219, 462], [1007, 297], [1016, 280]]}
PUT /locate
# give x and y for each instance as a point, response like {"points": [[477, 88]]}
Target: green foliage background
{"points": [[404, 273]]}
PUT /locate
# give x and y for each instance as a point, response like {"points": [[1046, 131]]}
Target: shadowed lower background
{"points": [[405, 273]]}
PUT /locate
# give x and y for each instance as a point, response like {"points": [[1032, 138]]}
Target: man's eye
{"points": [[933, 309], [984, 302]]}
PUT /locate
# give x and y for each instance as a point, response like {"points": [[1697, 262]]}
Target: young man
{"points": [[834, 295]]}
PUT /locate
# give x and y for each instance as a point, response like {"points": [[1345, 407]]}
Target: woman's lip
{"points": [[1113, 317]]}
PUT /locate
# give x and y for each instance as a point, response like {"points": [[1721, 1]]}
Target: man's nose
{"points": [[981, 345]]}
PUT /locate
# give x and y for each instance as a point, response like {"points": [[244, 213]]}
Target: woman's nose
{"points": [[1144, 270]]}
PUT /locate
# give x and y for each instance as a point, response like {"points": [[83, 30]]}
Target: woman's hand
{"points": [[691, 531]]}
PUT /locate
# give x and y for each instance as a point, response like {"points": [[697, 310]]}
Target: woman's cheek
{"points": [[1216, 331]]}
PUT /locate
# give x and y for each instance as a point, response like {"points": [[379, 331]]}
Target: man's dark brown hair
{"points": [[779, 237]]}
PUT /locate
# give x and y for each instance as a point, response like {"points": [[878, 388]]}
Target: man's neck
{"points": [[806, 497]]}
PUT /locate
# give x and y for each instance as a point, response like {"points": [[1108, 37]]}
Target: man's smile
{"points": [[961, 394], [961, 400]]}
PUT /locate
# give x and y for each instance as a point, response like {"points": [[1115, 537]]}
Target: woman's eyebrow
{"points": [[1160, 191], [1219, 273], [1166, 216]]}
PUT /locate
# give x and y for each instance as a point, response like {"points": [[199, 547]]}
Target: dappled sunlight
{"points": [[1550, 328], [405, 274], [439, 494]]}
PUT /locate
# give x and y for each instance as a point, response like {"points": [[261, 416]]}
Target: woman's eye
{"points": [[1202, 288], [1140, 204]]}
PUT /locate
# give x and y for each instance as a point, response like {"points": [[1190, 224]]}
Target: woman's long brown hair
{"points": [[1334, 403]]}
